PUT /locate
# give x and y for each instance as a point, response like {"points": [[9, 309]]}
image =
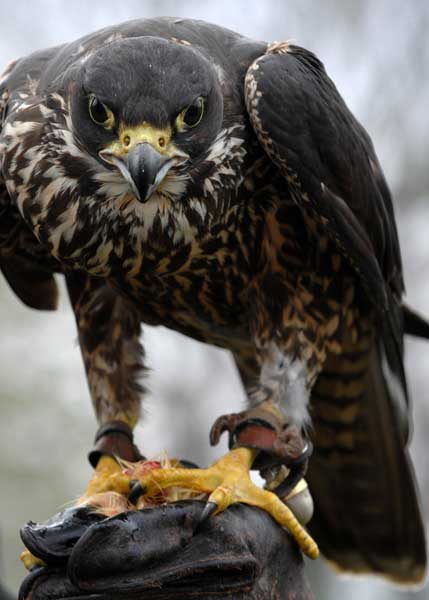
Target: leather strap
{"points": [[278, 443], [255, 434], [115, 439]]}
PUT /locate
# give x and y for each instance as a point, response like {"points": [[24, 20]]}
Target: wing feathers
{"points": [[33, 285], [367, 514], [328, 159]]}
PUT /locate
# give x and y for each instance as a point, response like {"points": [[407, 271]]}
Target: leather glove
{"points": [[164, 553]]}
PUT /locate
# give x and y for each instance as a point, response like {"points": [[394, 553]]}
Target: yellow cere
{"points": [[129, 137]]}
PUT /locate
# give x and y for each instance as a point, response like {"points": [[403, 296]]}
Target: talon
{"points": [[297, 471], [137, 490], [222, 424], [209, 509]]}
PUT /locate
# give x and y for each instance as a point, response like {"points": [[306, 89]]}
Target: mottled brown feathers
{"points": [[276, 240]]}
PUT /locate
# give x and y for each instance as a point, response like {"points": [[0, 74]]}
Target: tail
{"points": [[367, 516]]}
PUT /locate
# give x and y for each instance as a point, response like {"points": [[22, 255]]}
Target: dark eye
{"points": [[100, 113], [194, 113]]}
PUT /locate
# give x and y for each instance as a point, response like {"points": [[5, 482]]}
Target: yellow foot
{"points": [[107, 492], [30, 561], [108, 476], [108, 489], [228, 482]]}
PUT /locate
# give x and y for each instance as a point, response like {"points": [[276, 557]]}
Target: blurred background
{"points": [[378, 55]]}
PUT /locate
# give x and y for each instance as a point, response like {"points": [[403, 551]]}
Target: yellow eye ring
{"points": [[100, 113], [191, 116]]}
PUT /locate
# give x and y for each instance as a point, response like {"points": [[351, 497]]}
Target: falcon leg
{"points": [[262, 438], [259, 437], [278, 392], [109, 332], [279, 446]]}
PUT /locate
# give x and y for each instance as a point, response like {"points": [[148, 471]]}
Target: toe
{"points": [[221, 498], [107, 477], [30, 561], [233, 485], [285, 517]]}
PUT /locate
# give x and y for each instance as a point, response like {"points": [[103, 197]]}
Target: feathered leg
{"points": [[109, 330]]}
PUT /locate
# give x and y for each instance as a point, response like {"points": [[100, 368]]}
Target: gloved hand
{"points": [[164, 553]]}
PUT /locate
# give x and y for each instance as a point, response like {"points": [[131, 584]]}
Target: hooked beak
{"points": [[144, 168], [147, 168]]}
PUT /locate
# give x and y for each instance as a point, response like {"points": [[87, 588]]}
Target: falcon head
{"points": [[148, 108]]}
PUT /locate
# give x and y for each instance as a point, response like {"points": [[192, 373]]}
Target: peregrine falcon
{"points": [[179, 174]]}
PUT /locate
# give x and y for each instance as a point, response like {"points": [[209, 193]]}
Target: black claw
{"points": [[188, 464], [209, 509], [136, 491], [297, 470], [296, 473]]}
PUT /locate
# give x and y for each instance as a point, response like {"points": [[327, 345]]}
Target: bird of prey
{"points": [[180, 174]]}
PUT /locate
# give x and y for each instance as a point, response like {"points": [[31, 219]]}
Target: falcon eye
{"points": [[191, 116], [99, 113]]}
